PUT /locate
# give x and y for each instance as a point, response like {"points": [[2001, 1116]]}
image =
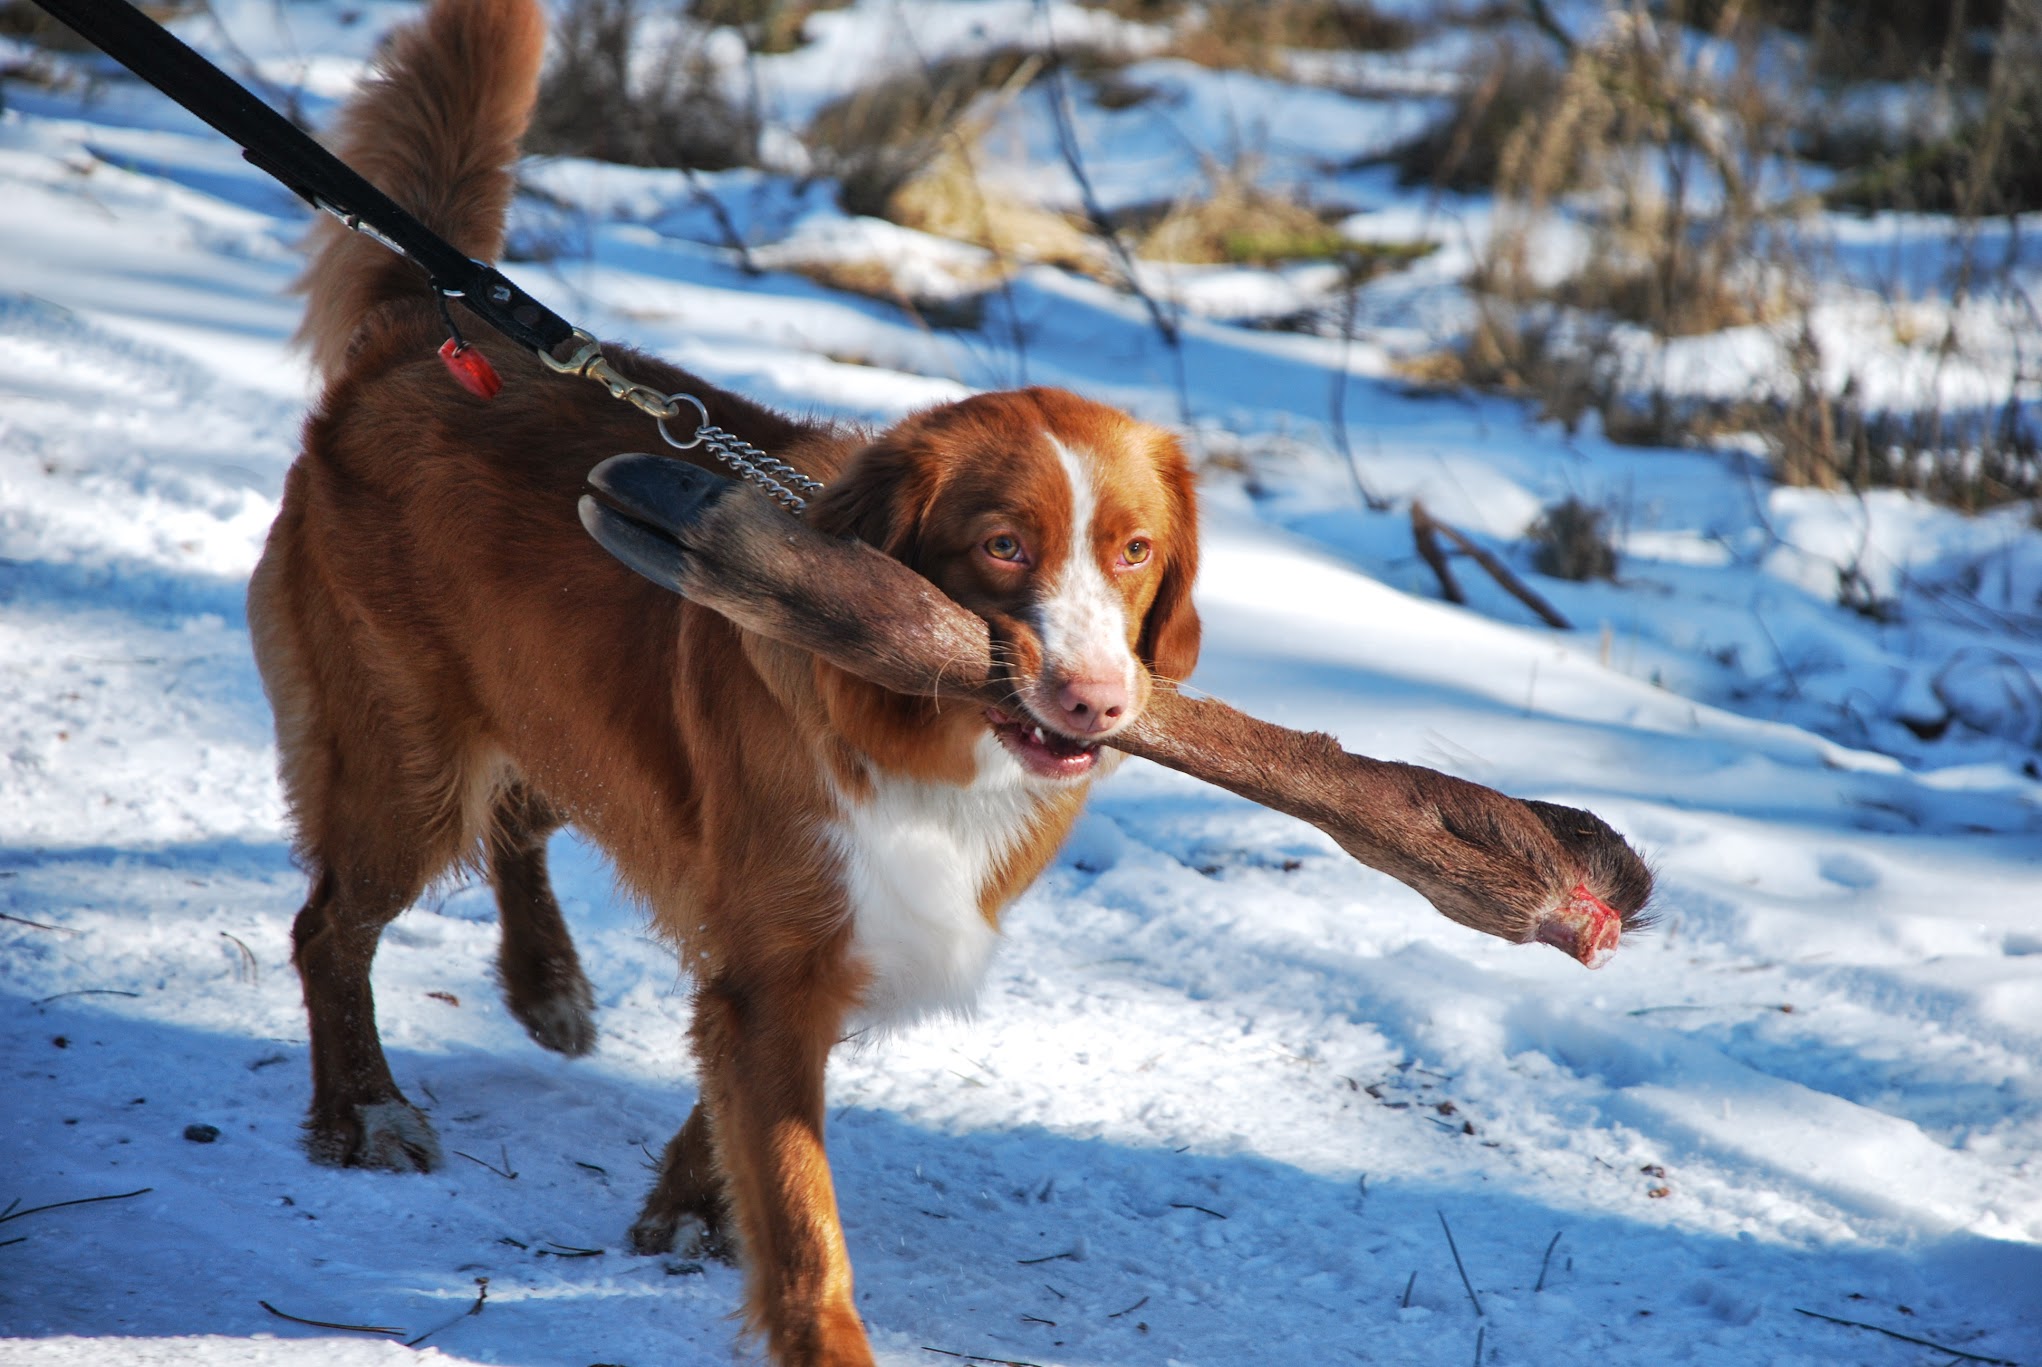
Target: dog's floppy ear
{"points": [[1170, 631], [882, 498]]}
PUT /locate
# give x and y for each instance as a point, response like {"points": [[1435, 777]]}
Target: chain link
{"points": [[780, 481]]}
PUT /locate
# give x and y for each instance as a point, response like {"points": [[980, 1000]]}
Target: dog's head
{"points": [[1070, 527]]}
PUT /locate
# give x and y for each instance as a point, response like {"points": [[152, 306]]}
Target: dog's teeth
{"points": [[1036, 732]]}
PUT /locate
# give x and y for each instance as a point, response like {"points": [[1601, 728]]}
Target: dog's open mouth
{"points": [[1042, 752]]}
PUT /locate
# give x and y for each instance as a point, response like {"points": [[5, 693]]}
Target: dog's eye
{"points": [[1136, 552], [1005, 546]]}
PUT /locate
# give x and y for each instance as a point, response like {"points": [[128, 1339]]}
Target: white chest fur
{"points": [[916, 858]]}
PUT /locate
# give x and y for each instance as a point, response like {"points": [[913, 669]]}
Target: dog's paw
{"points": [[685, 1232], [563, 1021], [391, 1135]]}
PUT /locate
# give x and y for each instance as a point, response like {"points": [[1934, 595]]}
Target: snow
{"points": [[1226, 1092]]}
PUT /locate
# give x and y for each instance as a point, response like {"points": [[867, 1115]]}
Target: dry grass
{"points": [[872, 278], [948, 198], [1236, 223], [1255, 34], [601, 98]]}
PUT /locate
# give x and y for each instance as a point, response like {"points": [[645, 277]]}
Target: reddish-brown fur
{"points": [[457, 670]]}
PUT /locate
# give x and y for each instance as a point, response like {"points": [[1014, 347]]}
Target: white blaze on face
{"points": [[1083, 619]]}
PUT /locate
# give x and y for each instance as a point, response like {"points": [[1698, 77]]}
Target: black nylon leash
{"points": [[277, 147]]}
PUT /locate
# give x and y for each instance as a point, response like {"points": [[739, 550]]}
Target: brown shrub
{"points": [[1254, 34], [592, 104], [1571, 540], [879, 137], [1504, 89]]}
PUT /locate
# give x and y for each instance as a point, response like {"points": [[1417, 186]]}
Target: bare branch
{"points": [[1425, 536], [1498, 571]]}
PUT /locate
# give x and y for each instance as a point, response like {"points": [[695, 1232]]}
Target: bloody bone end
{"points": [[1583, 927]]}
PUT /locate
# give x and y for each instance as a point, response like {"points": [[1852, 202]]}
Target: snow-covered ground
{"points": [[1230, 1098]]}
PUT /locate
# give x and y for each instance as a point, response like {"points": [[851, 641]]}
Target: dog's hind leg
{"points": [[687, 1196], [382, 802], [359, 1118], [543, 983]]}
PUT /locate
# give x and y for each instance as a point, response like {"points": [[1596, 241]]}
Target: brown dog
{"points": [[457, 670]]}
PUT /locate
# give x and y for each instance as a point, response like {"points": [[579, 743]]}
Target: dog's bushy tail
{"points": [[436, 128]]}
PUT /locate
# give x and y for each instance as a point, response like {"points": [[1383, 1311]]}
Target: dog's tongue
{"points": [[1063, 746]]}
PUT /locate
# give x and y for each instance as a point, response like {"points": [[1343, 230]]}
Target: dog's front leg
{"points": [[763, 1045], [688, 1194]]}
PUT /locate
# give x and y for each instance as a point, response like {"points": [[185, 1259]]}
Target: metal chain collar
{"points": [[780, 481]]}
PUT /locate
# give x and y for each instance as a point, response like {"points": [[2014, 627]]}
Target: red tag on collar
{"points": [[470, 369]]}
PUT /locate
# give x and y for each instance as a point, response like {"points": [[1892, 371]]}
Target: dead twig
{"points": [[24, 921], [247, 954], [1908, 1338], [1546, 1261], [1370, 499], [1460, 1267], [505, 1171], [559, 1250], [1186, 1205], [1071, 1253], [1425, 532], [981, 1357], [85, 992], [481, 1296], [12, 1214], [1165, 322], [329, 1324], [1130, 1310], [725, 225]]}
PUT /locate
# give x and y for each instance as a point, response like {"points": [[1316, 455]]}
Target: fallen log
{"points": [[1523, 871]]}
